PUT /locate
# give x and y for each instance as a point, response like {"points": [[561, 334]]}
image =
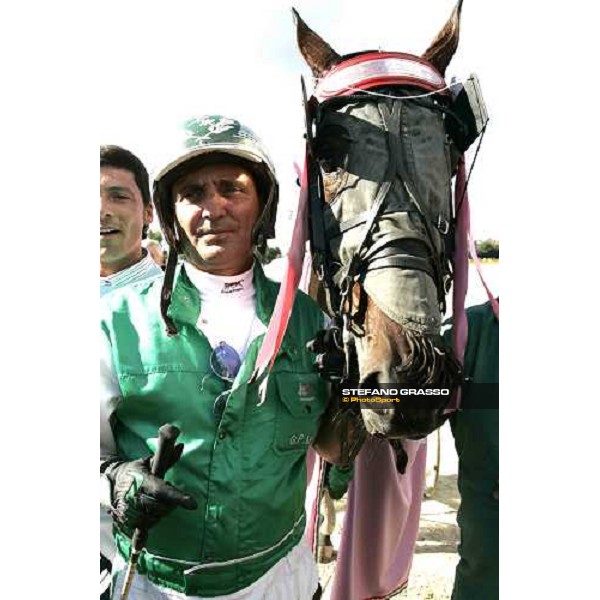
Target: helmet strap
{"points": [[167, 291]]}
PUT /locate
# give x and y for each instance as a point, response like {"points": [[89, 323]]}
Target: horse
{"points": [[384, 137]]}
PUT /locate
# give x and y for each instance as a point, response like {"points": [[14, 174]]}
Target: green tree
{"points": [[270, 253], [156, 236], [488, 248]]}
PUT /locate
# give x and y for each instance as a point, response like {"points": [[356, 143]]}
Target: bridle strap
{"points": [[401, 261], [437, 268], [391, 253], [316, 200], [337, 228], [166, 292], [391, 119]]}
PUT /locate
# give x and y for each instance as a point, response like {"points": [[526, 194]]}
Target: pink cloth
{"points": [[314, 471], [287, 291], [382, 523], [461, 272]]}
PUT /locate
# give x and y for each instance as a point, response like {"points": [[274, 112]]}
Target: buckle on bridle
{"points": [[320, 271], [345, 288], [442, 225]]}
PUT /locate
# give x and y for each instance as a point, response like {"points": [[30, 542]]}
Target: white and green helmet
{"points": [[209, 134]]}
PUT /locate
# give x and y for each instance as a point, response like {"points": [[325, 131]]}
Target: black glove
{"points": [[139, 499], [337, 480], [401, 455], [330, 359]]}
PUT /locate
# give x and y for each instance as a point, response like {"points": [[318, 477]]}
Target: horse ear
{"points": [[441, 51], [317, 53]]}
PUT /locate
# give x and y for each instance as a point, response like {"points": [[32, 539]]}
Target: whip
{"points": [[167, 436]]}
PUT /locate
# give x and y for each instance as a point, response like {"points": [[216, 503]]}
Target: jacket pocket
{"points": [[302, 398]]}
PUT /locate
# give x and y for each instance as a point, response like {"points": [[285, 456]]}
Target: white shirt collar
{"points": [[222, 287], [143, 269]]}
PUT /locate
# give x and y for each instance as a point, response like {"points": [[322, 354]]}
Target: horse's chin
{"points": [[393, 424], [378, 422]]}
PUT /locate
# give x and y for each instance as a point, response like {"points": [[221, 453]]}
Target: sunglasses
{"points": [[225, 363]]}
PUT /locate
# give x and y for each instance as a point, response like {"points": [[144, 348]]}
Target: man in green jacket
{"points": [[475, 430], [228, 520]]}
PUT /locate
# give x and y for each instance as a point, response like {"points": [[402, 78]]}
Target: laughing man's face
{"points": [[122, 218]]}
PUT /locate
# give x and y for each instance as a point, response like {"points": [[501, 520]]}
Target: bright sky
{"points": [[168, 61]]}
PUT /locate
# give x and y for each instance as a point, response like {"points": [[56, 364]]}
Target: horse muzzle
{"points": [[394, 423]]}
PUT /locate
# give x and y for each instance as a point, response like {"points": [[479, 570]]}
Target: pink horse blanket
{"points": [[381, 524]]}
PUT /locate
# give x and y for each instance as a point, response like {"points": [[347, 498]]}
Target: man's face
{"points": [[217, 207], [122, 217]]}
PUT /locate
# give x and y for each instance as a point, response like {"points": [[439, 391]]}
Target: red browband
{"points": [[375, 69]]}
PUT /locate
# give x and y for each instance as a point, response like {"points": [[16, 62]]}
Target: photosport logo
{"points": [[387, 396], [418, 397]]}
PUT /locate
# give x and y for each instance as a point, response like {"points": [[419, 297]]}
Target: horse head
{"points": [[380, 130]]}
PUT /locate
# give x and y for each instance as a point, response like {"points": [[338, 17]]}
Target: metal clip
{"points": [[442, 225], [447, 283], [320, 271], [345, 286]]}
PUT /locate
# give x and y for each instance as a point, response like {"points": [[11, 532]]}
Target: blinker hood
{"points": [[351, 146], [420, 191], [468, 105]]}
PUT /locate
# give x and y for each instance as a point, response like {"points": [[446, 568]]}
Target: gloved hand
{"points": [[327, 345], [338, 479], [139, 499]]}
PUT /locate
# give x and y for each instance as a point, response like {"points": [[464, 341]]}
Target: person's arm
{"points": [[338, 439], [134, 496], [110, 396], [338, 480]]}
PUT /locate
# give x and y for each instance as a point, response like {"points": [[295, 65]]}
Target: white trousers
{"points": [[294, 577]]}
